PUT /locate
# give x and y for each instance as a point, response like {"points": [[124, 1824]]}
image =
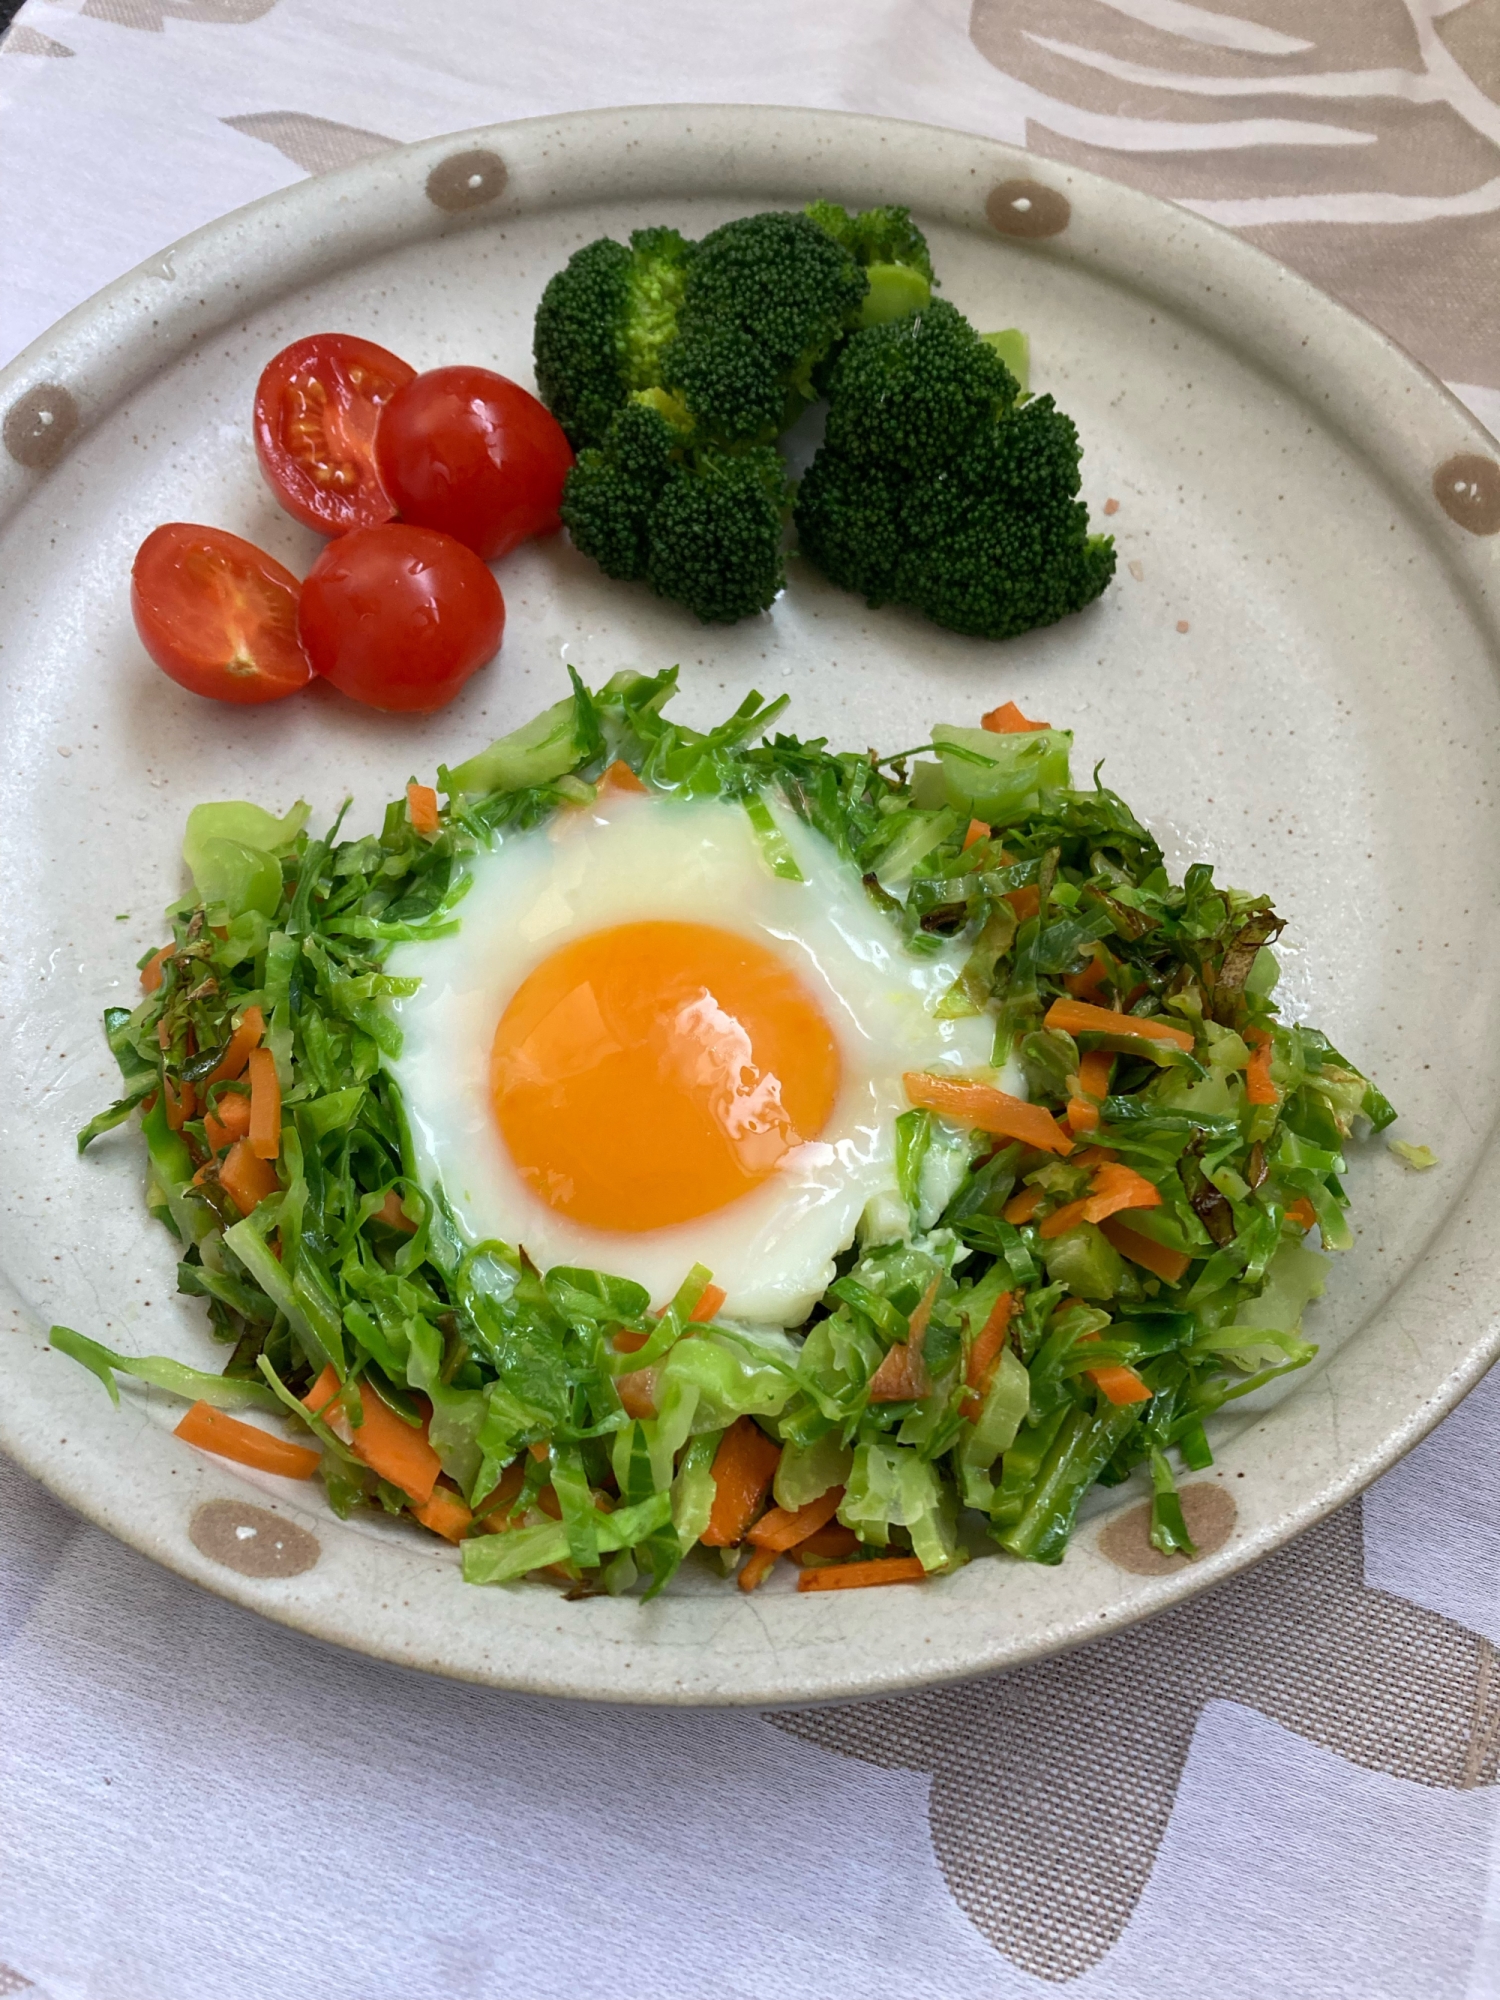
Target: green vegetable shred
{"points": [[1039, 1358]]}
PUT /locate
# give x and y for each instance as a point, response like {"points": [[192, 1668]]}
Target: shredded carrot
{"points": [[902, 1376], [1115, 1187], [977, 831], [1118, 1384], [245, 1037], [1065, 1218], [922, 1313], [1088, 1089], [1007, 720], [860, 1575], [762, 1562], [494, 1511], [1079, 1017], [422, 810], [620, 778], [780, 1530], [1021, 1207], [181, 1103], [388, 1445], [245, 1177], [265, 1105], [537, 1450], [1154, 1257], [1302, 1212], [211, 1430], [446, 1513], [392, 1448], [322, 1392], [394, 1215], [637, 1391], [1082, 1116], [228, 1120], [832, 1542], [984, 1353], [1259, 1088], [1094, 1070], [1025, 901], [151, 974], [744, 1466], [1084, 985], [991, 1110]]}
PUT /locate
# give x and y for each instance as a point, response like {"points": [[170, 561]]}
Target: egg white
{"points": [[628, 859]]}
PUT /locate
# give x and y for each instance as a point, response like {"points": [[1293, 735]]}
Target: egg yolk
{"points": [[653, 1072]]}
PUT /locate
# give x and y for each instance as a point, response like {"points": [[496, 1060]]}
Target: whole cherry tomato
{"points": [[316, 407], [399, 617], [465, 450], [217, 614]]}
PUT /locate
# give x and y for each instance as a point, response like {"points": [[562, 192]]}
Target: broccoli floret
{"points": [[890, 249], [609, 493], [660, 504], [602, 323], [715, 534], [765, 300], [938, 486]]}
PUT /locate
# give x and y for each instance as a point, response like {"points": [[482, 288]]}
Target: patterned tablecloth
{"points": [[1286, 1788]]}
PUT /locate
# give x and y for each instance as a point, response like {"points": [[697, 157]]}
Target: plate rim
{"points": [[113, 341]]}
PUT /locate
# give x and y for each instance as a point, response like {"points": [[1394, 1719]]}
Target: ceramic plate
{"points": [[1294, 674]]}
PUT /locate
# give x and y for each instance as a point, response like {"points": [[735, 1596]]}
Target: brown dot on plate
{"points": [[466, 180], [1027, 208], [1182, 625], [1467, 488], [1208, 1510], [252, 1540], [39, 424]]}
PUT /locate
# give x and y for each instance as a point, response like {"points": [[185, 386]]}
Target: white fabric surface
{"points": [[196, 1805]]}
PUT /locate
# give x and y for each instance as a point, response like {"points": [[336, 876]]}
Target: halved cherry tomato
{"points": [[469, 452], [399, 617], [217, 614], [316, 406]]}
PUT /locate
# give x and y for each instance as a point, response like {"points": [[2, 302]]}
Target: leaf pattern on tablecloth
{"points": [[1052, 1786], [24, 40], [154, 14], [1356, 140], [317, 145]]}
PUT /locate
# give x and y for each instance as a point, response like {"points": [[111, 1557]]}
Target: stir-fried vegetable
{"points": [[1071, 1285]]}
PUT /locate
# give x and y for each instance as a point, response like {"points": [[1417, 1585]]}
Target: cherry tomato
{"points": [[316, 407], [217, 614], [466, 451], [399, 617]]}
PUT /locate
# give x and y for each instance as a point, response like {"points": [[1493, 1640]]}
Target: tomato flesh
{"points": [[399, 617], [469, 452], [217, 614], [316, 408]]}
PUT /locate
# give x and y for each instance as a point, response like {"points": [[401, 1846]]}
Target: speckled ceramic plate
{"points": [[1295, 674]]}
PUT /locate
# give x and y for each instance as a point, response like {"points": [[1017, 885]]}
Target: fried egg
{"points": [[643, 1050]]}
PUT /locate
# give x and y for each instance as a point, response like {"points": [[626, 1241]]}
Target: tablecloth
{"points": [[1286, 1788]]}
